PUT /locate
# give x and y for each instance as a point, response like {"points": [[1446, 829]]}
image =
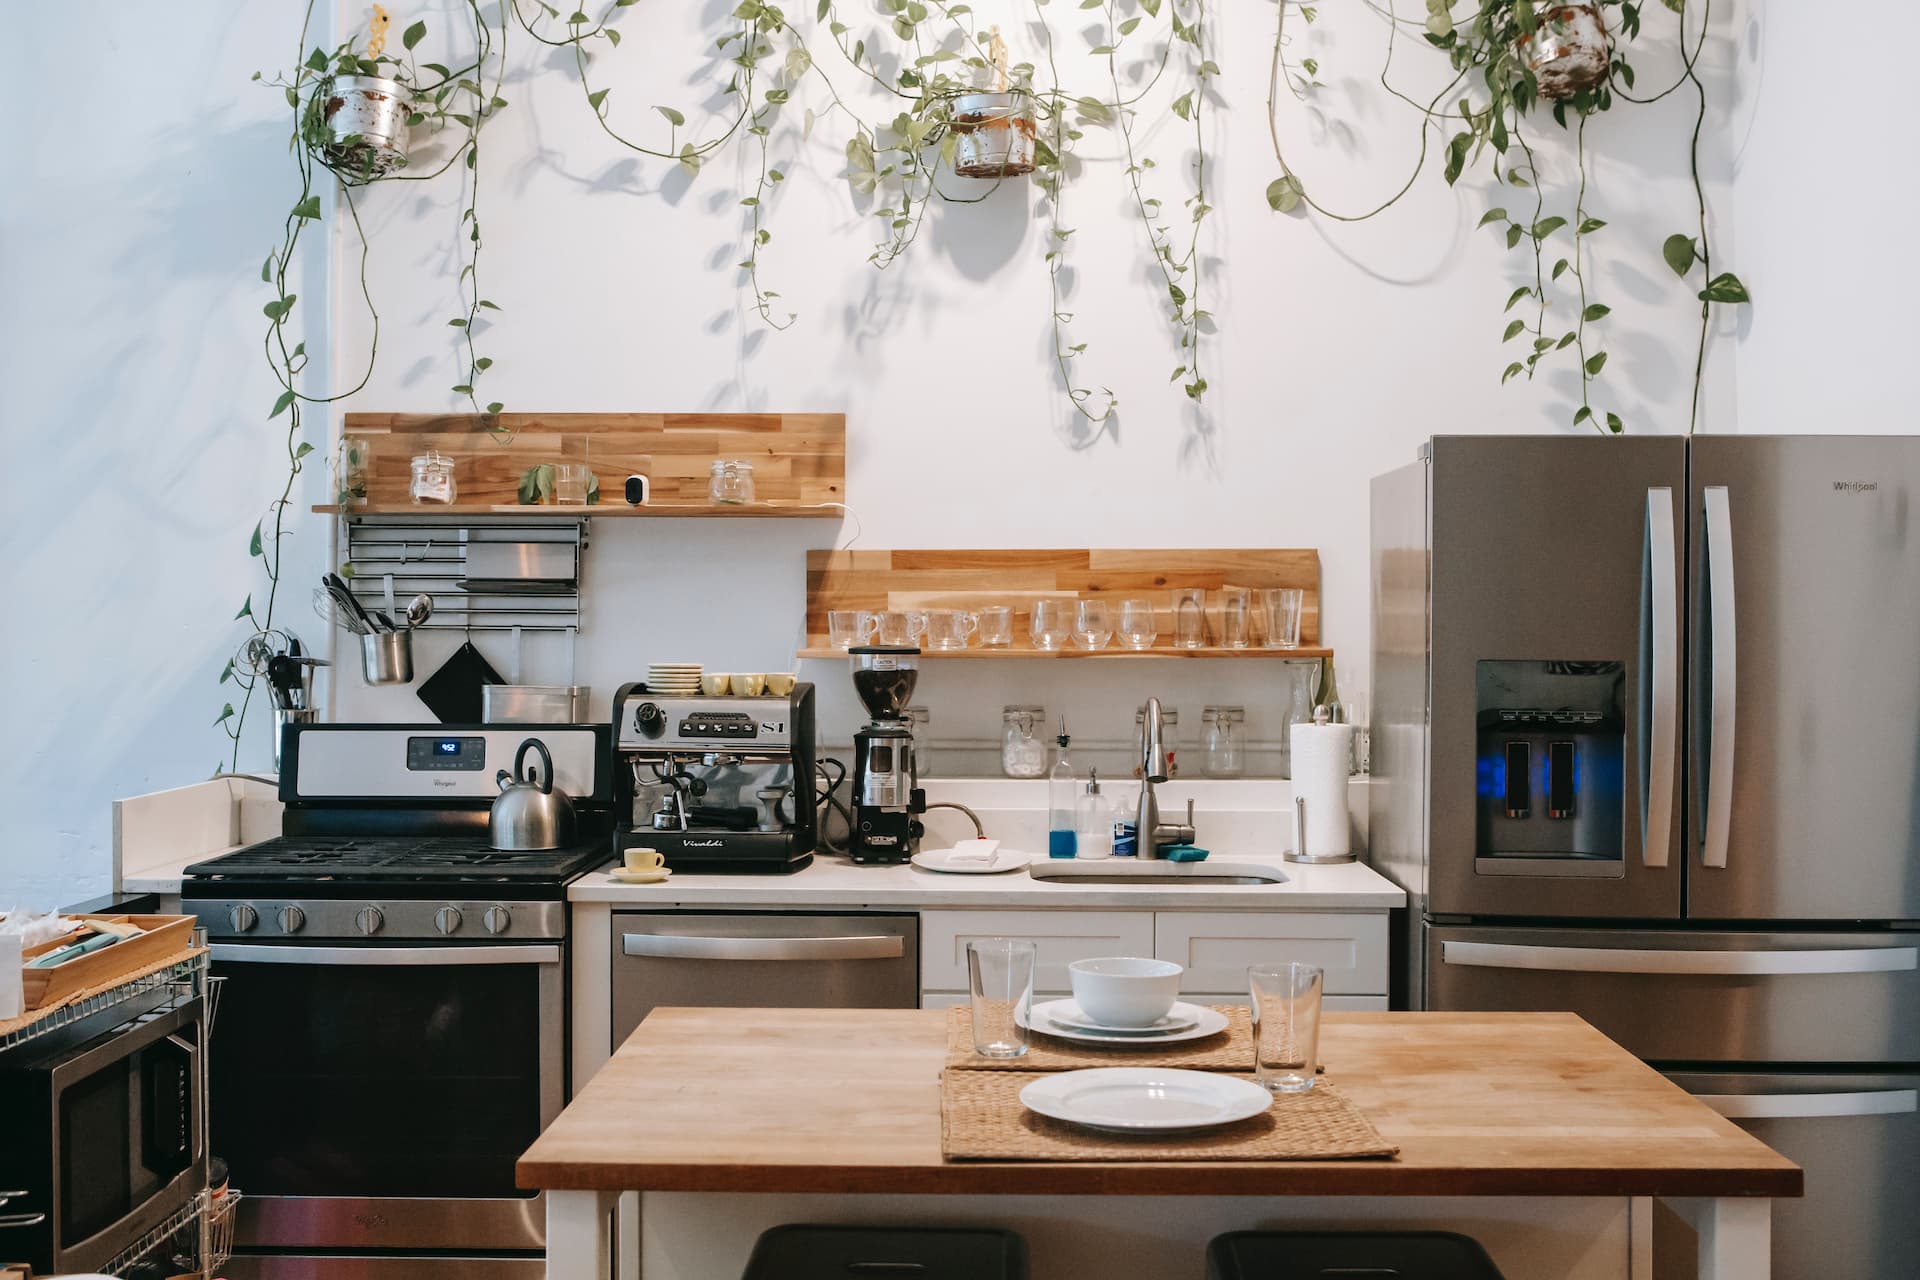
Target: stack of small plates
{"points": [[674, 677], [1067, 1021]]}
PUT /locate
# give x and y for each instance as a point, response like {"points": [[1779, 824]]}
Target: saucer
{"points": [[620, 875]]}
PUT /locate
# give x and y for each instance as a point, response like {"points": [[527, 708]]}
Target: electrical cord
{"points": [[825, 800], [978, 830]]}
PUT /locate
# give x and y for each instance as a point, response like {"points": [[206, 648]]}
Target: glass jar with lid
{"points": [[1023, 751], [432, 478], [730, 482], [1169, 738], [1223, 741]]}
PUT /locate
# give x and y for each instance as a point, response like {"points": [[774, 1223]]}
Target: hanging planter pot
{"points": [[1568, 51], [994, 134], [359, 125]]}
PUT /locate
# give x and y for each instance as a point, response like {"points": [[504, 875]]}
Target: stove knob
{"points": [[368, 920], [292, 919], [447, 919], [241, 918], [496, 919]]}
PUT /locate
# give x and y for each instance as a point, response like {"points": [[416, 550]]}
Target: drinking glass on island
{"points": [[1189, 617], [1236, 617], [1286, 1025], [996, 626], [849, 627], [1052, 624], [1092, 624], [1000, 980], [1280, 616], [1139, 628]]}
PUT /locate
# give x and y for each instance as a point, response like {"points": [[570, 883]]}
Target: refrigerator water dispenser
{"points": [[1551, 768]]}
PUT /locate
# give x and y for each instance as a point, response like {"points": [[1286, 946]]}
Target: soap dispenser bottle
{"points": [[1061, 840], [1093, 823]]}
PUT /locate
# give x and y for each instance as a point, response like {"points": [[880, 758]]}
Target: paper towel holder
{"points": [[1299, 853]]}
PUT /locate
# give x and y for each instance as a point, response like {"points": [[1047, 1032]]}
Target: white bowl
{"points": [[1121, 991]]}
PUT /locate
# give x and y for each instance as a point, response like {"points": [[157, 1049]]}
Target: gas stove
{"points": [[399, 858]]}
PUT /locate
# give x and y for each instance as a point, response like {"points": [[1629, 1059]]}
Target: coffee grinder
{"points": [[886, 795]]}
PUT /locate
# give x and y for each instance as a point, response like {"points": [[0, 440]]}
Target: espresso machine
{"points": [[887, 799], [716, 783]]}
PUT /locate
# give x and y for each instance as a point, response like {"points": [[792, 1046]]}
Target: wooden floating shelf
{"points": [[799, 461], [1110, 651], [620, 510], [971, 580]]}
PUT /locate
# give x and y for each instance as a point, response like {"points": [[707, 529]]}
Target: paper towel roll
{"points": [[1321, 755]]}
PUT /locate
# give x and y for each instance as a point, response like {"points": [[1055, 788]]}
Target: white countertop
{"points": [[834, 882]]}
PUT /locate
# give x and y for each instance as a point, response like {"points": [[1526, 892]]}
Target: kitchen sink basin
{"points": [[1154, 872]]}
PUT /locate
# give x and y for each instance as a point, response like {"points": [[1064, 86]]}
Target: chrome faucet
{"points": [[1153, 835]]}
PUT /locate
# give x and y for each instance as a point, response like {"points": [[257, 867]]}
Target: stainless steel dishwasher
{"points": [[776, 960]]}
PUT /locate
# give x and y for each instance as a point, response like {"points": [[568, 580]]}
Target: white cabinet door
{"points": [[1059, 937], [1217, 946]]}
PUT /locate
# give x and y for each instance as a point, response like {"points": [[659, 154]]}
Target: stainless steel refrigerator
{"points": [[1646, 745]]}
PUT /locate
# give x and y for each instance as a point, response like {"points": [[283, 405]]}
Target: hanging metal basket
{"points": [[358, 125], [994, 134], [1568, 51]]}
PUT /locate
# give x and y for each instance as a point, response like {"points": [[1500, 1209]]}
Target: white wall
{"points": [[131, 254]]}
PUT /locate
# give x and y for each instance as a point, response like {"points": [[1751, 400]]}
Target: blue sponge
{"points": [[1184, 853]]}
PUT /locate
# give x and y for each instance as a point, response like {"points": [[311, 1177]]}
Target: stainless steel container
{"points": [[995, 134], [535, 703], [386, 657], [522, 568], [366, 117]]}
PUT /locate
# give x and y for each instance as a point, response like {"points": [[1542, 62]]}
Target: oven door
{"points": [[377, 1097]]}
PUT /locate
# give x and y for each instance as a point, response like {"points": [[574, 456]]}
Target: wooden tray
{"points": [[164, 936]]}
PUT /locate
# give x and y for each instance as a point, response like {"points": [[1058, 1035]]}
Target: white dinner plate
{"points": [[1145, 1099], [1208, 1022], [1068, 1013], [940, 860]]}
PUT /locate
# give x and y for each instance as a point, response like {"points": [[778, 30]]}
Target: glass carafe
{"points": [[1302, 680]]}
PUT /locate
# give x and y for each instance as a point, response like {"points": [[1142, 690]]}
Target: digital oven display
{"points": [[446, 753]]}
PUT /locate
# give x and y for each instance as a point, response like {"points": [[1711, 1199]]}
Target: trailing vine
{"points": [[1499, 92]]}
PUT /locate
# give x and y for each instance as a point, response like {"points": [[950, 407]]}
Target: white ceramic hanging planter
{"points": [[362, 124], [1568, 51]]}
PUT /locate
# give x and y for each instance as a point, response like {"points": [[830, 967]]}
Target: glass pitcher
{"points": [[1302, 681]]}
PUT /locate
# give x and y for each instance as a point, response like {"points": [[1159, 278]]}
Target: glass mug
{"points": [[849, 627], [1052, 624], [948, 629], [1139, 628], [898, 626], [996, 626], [1092, 624], [1189, 617]]}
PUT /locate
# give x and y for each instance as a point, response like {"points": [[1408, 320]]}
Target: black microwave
{"points": [[105, 1139]]}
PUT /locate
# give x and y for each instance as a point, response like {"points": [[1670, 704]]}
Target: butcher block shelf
{"points": [[972, 579], [799, 461]]}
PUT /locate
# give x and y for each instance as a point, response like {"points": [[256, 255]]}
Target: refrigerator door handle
{"points": [[1799, 1106], [1514, 955], [1664, 680], [1719, 786]]}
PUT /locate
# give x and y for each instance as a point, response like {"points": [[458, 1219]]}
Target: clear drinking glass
{"points": [[1236, 617], [1138, 626], [1286, 1025], [996, 626], [848, 627], [1092, 624], [570, 482], [1052, 624], [898, 626], [1280, 616], [1189, 617], [947, 629], [1000, 974]]}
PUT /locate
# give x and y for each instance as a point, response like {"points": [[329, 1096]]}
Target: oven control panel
{"points": [[446, 753]]}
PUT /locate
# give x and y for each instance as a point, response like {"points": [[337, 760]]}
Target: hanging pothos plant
{"points": [[1513, 62]]}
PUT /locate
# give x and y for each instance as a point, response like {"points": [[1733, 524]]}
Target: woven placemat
{"points": [[10, 1025], [982, 1118], [1230, 1050]]}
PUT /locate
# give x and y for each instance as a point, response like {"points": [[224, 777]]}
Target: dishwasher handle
{"points": [[681, 946], [1754, 963]]}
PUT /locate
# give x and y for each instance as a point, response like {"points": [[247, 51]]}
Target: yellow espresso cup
{"points": [[780, 683], [645, 860], [713, 685], [748, 684]]}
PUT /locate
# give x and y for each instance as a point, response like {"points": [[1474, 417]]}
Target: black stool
{"points": [[887, 1253], [1309, 1255]]}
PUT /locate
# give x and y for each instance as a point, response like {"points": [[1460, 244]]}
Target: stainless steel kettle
{"points": [[529, 813]]}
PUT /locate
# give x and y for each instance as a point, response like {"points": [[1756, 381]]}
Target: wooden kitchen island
{"points": [[1533, 1133]]}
